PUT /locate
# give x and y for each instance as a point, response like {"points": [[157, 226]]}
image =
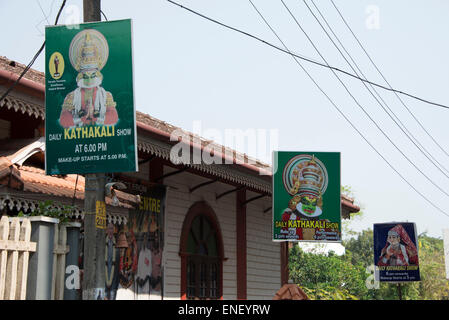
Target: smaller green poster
{"points": [[306, 196], [90, 121]]}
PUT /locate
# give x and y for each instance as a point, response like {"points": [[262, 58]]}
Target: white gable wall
{"points": [[178, 203], [263, 256]]}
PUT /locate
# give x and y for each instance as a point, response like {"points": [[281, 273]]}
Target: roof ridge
{"points": [[202, 139], [17, 68]]}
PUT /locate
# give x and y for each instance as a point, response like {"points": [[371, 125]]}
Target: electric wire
{"points": [[74, 192], [303, 57], [382, 75], [346, 118], [102, 13], [359, 105], [402, 127], [33, 59], [43, 13]]}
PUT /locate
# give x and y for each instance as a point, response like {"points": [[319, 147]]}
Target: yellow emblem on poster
{"points": [[100, 215], [56, 65]]}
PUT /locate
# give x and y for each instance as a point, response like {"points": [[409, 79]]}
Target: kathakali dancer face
{"points": [[89, 104], [308, 204], [305, 178]]}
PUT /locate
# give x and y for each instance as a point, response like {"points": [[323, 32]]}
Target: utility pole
{"points": [[94, 197], [92, 10], [400, 291]]}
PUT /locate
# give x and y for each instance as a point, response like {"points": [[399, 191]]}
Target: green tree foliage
{"points": [[361, 249], [48, 209], [332, 277], [433, 284], [326, 276]]}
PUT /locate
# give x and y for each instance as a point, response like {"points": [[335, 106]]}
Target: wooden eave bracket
{"points": [[253, 199], [149, 159], [171, 174], [228, 192], [202, 185]]}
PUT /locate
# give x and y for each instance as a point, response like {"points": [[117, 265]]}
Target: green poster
{"points": [[89, 102], [306, 196]]}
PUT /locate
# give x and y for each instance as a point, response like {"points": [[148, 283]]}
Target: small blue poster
{"points": [[396, 252]]}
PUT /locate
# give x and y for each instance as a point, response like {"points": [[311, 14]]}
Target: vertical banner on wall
{"points": [[140, 244], [306, 196], [396, 252], [90, 122]]}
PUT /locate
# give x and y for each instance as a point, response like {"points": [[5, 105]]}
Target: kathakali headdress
{"points": [[306, 179], [88, 51]]}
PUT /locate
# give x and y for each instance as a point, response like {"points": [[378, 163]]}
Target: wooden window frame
{"points": [[197, 209]]}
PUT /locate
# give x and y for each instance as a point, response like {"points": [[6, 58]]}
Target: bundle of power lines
{"points": [[356, 73], [359, 75]]}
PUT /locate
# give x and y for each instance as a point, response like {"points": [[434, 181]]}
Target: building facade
{"points": [[217, 218]]}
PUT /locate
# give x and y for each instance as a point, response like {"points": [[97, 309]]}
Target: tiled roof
{"points": [[290, 292], [168, 128], [9, 175], [36, 181], [5, 166], [17, 68], [349, 204]]}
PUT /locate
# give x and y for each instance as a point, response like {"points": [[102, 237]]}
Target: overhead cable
{"points": [[347, 119], [400, 125], [305, 58], [386, 81], [32, 60]]}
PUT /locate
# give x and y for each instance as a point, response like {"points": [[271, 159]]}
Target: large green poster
{"points": [[306, 196], [90, 114]]}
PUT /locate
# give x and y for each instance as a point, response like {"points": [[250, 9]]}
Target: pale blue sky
{"points": [[188, 69]]}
